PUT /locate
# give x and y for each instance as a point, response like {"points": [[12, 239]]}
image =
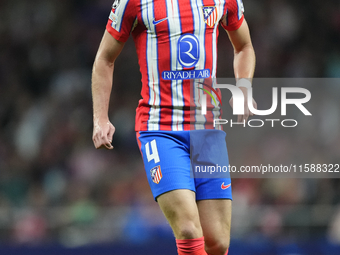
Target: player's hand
{"points": [[102, 134], [247, 112]]}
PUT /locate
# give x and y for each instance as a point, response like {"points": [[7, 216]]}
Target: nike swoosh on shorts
{"points": [[225, 186]]}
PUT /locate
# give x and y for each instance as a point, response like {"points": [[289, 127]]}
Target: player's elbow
{"points": [[101, 63]]}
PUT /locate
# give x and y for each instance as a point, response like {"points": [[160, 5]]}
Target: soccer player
{"points": [[176, 42]]}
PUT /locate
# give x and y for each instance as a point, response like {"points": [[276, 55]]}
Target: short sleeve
{"points": [[234, 15], [121, 20]]}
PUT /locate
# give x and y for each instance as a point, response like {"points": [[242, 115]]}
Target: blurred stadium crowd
{"points": [[54, 186]]}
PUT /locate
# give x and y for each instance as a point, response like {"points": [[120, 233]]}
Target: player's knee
{"points": [[188, 230], [217, 248]]}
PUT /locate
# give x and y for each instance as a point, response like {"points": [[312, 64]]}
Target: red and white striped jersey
{"points": [[176, 42]]}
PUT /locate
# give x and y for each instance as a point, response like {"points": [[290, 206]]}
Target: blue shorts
{"points": [[170, 158]]}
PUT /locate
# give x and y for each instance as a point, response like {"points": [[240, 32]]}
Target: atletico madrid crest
{"points": [[156, 174], [210, 15]]}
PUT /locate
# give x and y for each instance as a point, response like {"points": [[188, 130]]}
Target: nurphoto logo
{"points": [[239, 104]]}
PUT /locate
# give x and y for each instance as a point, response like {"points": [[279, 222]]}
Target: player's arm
{"points": [[244, 61], [102, 72], [244, 55]]}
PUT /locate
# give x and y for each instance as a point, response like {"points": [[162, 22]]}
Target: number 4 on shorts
{"points": [[154, 156]]}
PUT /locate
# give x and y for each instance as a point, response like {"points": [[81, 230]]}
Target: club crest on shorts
{"points": [[210, 15], [156, 174]]}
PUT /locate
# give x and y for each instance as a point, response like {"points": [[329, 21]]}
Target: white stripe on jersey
{"points": [[176, 85], [240, 9], [152, 65], [119, 12]]}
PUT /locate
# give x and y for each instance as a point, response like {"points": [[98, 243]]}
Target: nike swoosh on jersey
{"points": [[225, 186], [155, 22]]}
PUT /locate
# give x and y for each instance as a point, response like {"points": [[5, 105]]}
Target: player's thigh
{"points": [[166, 157], [215, 219], [180, 208]]}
